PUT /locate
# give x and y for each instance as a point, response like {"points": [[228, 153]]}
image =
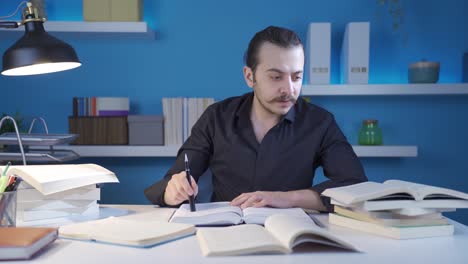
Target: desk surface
{"points": [[375, 249]]}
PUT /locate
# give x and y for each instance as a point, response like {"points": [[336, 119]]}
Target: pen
{"points": [[6, 168], [187, 173]]}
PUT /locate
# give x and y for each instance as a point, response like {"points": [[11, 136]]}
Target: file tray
{"points": [[37, 139], [41, 156]]}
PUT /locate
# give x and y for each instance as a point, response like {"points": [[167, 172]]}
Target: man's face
{"points": [[277, 80]]}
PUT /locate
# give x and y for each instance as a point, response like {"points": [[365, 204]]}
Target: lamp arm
{"points": [[9, 24]]}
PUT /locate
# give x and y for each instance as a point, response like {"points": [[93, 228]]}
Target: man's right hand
{"points": [[178, 189]]}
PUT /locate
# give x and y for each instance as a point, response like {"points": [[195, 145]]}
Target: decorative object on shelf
{"points": [[370, 133], [423, 72], [36, 52], [146, 130], [113, 10]]}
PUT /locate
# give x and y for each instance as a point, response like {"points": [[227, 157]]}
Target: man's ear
{"points": [[248, 76]]}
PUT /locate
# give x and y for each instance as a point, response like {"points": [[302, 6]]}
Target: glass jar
{"points": [[370, 133]]}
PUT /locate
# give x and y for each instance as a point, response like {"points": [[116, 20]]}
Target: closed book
{"points": [[386, 218], [24, 242], [390, 231], [354, 58], [112, 103], [89, 192], [319, 53], [125, 232]]}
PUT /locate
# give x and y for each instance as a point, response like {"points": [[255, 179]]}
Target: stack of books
{"points": [[180, 114], [101, 106], [395, 209], [34, 208], [51, 194]]}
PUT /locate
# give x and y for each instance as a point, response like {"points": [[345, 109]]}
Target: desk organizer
{"points": [[16, 152]]}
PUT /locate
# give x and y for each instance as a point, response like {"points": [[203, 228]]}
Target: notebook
{"points": [[24, 242], [125, 232], [222, 213], [281, 234]]}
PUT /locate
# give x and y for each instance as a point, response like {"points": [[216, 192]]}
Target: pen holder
{"points": [[8, 209]]}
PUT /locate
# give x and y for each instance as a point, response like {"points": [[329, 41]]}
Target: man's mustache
{"points": [[283, 98]]}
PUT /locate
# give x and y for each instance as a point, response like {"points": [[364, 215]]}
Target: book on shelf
{"points": [[101, 106], [49, 179], [281, 234], [23, 242], [388, 218], [126, 232], [180, 114], [395, 194], [408, 232], [222, 213]]}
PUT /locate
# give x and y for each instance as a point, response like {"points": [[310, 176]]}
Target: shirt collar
{"points": [[246, 106]]}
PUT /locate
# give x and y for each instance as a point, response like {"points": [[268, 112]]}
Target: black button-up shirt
{"points": [[223, 140]]}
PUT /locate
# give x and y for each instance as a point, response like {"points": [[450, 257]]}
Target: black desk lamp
{"points": [[36, 52]]}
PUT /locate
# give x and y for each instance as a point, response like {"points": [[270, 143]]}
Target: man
{"points": [[263, 147]]}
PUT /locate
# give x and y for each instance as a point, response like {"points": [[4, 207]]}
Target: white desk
{"points": [[452, 249]]}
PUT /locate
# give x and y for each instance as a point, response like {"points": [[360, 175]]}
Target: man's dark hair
{"points": [[282, 37]]}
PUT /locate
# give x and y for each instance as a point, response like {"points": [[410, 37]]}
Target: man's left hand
{"points": [[262, 199]]}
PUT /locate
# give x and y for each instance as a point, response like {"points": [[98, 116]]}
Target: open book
{"points": [[280, 235], [49, 179], [221, 213], [394, 194], [126, 232]]}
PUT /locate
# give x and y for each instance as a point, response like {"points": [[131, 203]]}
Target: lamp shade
{"points": [[38, 52]]}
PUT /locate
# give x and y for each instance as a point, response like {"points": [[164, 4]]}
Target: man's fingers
{"points": [[239, 199], [250, 201], [261, 203], [183, 184]]}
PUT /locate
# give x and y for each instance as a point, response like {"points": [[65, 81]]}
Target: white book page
{"points": [[208, 213], [237, 240], [254, 215], [292, 231], [361, 192], [423, 191]]}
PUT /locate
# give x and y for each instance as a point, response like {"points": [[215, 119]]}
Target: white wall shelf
{"points": [[119, 150], [386, 151], [137, 29], [385, 89], [171, 151]]}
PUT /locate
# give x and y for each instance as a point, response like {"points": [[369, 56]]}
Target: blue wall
{"points": [[198, 52]]}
